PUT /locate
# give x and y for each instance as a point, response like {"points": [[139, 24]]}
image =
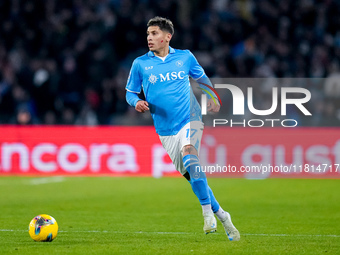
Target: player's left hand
{"points": [[212, 107]]}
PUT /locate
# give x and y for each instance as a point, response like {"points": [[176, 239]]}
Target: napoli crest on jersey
{"points": [[179, 63], [152, 78]]}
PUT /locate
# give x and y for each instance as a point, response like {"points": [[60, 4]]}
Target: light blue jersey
{"points": [[167, 88]]}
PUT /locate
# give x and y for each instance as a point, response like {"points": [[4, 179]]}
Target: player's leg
{"points": [[232, 233], [213, 207], [200, 185], [198, 179], [173, 146], [190, 139], [224, 217], [216, 208]]}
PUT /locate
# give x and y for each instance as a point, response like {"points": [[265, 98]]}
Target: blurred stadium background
{"points": [[66, 62], [63, 70]]}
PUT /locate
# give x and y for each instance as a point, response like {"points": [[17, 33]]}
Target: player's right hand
{"points": [[142, 106]]}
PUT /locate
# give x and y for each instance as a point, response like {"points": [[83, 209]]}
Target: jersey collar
{"points": [[171, 50]]}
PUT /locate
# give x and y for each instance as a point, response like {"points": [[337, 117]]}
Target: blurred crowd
{"points": [[67, 62]]}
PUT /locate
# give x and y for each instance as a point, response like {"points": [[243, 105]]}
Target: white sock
{"points": [[221, 214], [207, 209]]}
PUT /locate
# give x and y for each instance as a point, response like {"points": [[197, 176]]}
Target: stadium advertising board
{"points": [[136, 151]]}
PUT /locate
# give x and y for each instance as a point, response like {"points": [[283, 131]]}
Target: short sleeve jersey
{"points": [[167, 88]]}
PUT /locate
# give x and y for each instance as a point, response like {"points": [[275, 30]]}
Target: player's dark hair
{"points": [[163, 24]]}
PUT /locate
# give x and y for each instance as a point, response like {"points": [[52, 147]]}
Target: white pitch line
{"points": [[176, 233], [46, 180], [291, 235]]}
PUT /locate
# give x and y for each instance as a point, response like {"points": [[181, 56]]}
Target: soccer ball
{"points": [[43, 228]]}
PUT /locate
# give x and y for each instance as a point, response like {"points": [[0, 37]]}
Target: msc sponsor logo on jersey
{"points": [[167, 77], [153, 78]]}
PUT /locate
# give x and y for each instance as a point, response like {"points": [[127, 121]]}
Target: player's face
{"points": [[157, 39]]}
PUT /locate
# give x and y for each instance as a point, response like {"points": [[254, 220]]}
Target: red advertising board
{"points": [[136, 151]]}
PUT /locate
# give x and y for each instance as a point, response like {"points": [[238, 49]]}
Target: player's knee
{"points": [[189, 149]]}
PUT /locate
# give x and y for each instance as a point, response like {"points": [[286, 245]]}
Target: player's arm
{"points": [[198, 74], [133, 88], [139, 104], [213, 103]]}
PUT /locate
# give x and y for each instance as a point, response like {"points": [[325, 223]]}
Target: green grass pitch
{"points": [[106, 215]]}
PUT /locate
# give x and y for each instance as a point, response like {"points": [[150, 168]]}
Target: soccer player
{"points": [[164, 74]]}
